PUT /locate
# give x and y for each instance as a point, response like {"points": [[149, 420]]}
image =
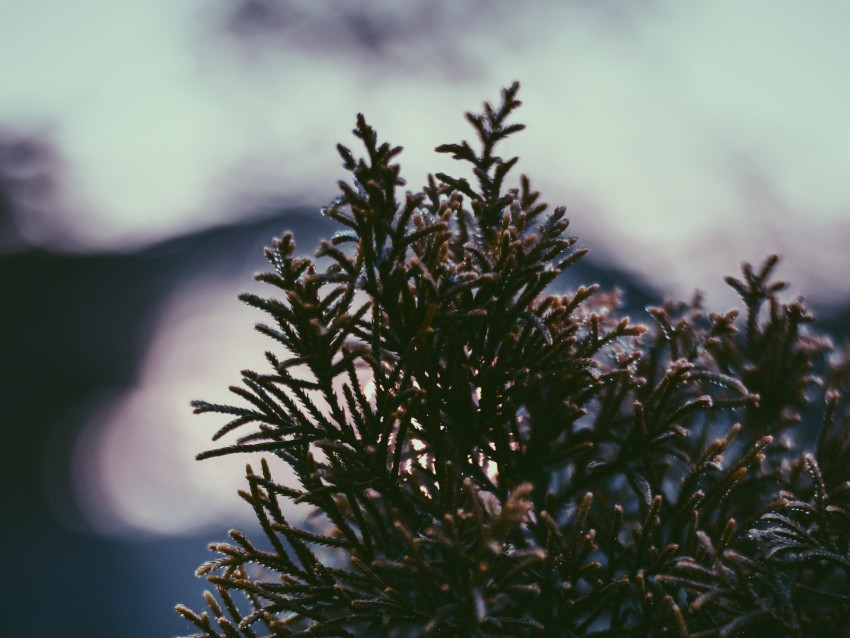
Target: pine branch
{"points": [[481, 456]]}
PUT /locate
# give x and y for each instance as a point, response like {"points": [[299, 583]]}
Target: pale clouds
{"points": [[715, 131]]}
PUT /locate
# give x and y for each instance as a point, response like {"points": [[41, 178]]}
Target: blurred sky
{"points": [[714, 130], [683, 137]]}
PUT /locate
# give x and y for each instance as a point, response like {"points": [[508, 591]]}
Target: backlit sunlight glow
{"points": [[421, 457], [135, 471]]}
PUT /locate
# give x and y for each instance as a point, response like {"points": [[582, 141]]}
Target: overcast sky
{"points": [[714, 130], [682, 136]]}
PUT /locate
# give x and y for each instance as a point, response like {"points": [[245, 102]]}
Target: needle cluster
{"points": [[483, 457]]}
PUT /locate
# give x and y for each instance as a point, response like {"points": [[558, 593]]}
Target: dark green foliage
{"points": [[484, 459]]}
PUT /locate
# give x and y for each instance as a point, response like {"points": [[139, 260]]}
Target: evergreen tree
{"points": [[483, 458]]}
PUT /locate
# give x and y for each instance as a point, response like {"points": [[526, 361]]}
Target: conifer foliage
{"points": [[484, 458]]}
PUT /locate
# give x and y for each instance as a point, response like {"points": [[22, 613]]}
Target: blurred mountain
{"points": [[75, 329]]}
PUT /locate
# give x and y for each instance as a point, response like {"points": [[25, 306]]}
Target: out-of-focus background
{"points": [[150, 149]]}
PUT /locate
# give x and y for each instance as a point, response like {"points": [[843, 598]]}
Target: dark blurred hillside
{"points": [[74, 331]]}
